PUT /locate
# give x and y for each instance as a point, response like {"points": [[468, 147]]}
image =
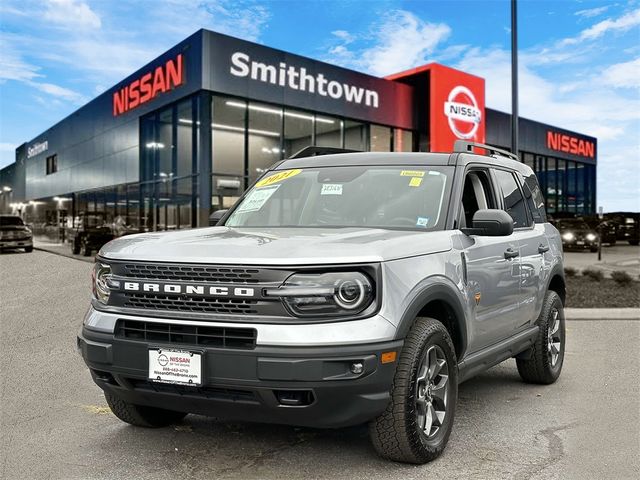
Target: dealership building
{"points": [[186, 134]]}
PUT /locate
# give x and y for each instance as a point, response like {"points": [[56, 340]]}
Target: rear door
{"points": [[533, 245]]}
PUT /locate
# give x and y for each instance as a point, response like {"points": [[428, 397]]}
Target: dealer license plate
{"points": [[175, 366]]}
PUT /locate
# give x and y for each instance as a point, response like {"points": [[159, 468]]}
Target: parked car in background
{"points": [[576, 233], [628, 226], [606, 228], [15, 234], [89, 232]]}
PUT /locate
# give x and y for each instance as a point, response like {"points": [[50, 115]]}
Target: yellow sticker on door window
{"points": [[415, 182], [411, 173], [278, 177]]}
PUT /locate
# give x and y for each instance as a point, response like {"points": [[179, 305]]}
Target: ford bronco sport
{"points": [[340, 289]]}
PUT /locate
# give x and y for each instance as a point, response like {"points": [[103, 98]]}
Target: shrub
{"points": [[593, 273], [570, 271], [621, 277]]}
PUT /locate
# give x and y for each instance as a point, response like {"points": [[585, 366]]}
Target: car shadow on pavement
{"points": [[200, 447]]}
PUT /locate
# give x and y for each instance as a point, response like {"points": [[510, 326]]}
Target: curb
{"points": [[63, 254], [602, 313]]}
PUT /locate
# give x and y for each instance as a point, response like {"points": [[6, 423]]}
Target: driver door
{"points": [[493, 268]]}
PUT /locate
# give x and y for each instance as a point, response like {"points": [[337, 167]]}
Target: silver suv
{"points": [[340, 289]]}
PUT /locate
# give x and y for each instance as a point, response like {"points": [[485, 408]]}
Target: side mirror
{"points": [[216, 216], [490, 223]]}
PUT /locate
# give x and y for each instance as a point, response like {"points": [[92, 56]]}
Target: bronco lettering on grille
{"points": [[192, 290]]}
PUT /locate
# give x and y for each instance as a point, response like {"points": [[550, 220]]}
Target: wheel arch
{"points": [[441, 302], [557, 283]]}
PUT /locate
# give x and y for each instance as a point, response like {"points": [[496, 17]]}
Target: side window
{"points": [[513, 201], [534, 197], [476, 195]]}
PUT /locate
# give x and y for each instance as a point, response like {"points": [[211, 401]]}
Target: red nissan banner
{"points": [[456, 105], [144, 89]]}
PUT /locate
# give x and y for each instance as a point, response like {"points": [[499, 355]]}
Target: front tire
{"points": [[417, 423], [85, 249], [544, 364], [142, 416], [28, 249], [75, 247]]}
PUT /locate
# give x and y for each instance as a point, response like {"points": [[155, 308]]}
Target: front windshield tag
{"points": [[256, 199], [331, 189], [411, 173], [278, 177], [422, 222], [415, 182]]}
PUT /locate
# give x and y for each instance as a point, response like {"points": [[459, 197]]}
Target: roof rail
{"points": [[462, 146], [313, 151]]}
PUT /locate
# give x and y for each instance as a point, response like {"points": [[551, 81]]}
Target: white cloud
{"points": [[13, 66], [8, 147], [591, 12], [625, 75], [72, 13], [402, 41], [621, 24], [343, 35], [59, 92]]}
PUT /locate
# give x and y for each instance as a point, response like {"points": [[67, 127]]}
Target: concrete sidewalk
{"points": [[63, 249], [602, 313]]}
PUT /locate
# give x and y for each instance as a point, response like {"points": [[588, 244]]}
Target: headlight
{"points": [[591, 237], [568, 236], [101, 280], [331, 294]]}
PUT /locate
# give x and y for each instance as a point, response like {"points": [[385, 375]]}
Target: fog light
{"points": [[357, 368]]}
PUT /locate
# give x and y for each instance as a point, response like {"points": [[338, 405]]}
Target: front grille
{"points": [[195, 273], [203, 336], [150, 301], [217, 393]]}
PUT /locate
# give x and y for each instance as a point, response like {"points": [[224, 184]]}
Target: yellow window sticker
{"points": [[411, 173], [277, 177], [415, 182]]}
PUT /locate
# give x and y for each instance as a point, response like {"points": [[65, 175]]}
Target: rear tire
{"points": [[418, 420], [547, 354], [635, 243], [28, 249], [75, 248], [142, 416], [85, 249]]}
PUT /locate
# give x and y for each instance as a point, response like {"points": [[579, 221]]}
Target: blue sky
{"points": [[579, 60]]}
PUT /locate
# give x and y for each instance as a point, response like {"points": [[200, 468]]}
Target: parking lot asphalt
{"points": [[54, 423]]}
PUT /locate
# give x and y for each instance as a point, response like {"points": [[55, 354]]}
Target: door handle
{"points": [[543, 248], [511, 253]]}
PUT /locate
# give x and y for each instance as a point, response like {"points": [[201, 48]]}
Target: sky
{"points": [[579, 61]]}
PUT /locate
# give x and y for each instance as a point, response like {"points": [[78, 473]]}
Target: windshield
{"points": [[380, 196], [573, 224], [11, 221], [94, 219]]}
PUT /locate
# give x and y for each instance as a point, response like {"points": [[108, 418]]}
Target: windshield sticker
{"points": [[422, 222], [331, 189], [277, 177], [415, 182], [411, 173], [433, 172], [256, 199]]}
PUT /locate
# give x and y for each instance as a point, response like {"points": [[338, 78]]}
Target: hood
{"points": [[276, 246]]}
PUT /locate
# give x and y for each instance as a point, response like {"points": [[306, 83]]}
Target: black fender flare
{"points": [[436, 291], [557, 270]]}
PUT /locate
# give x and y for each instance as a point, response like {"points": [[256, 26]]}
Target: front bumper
{"points": [[253, 385], [28, 242]]}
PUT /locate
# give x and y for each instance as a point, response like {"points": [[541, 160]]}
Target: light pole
{"points": [[514, 77]]}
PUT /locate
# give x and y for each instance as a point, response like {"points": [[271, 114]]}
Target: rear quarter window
{"points": [[534, 198]]}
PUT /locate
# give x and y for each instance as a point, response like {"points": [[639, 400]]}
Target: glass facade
{"points": [[568, 186], [246, 139]]}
